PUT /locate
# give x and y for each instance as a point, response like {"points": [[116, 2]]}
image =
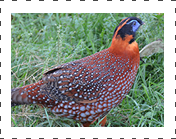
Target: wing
{"points": [[77, 81]]}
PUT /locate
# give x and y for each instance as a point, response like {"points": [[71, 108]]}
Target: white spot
{"points": [[99, 110], [76, 86], [70, 111], [105, 105], [80, 96], [59, 82], [109, 105], [82, 108], [87, 113], [33, 97], [109, 101], [63, 92], [85, 97], [65, 110], [92, 112], [123, 88], [61, 110], [57, 110], [100, 106], [70, 84], [101, 98], [88, 107], [70, 103], [83, 115], [84, 120]]}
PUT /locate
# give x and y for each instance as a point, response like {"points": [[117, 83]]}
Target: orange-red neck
{"points": [[121, 47]]}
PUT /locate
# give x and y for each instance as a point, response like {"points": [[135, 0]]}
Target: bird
{"points": [[87, 89]]}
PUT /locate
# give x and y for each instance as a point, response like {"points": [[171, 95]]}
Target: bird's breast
{"points": [[117, 77]]}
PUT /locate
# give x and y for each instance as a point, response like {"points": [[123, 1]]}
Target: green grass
{"points": [[42, 41]]}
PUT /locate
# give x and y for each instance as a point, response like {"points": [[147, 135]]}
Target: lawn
{"points": [[42, 41]]}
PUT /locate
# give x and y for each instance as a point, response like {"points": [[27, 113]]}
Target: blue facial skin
{"points": [[135, 25]]}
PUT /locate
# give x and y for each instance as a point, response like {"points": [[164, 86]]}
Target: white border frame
{"points": [[167, 7]]}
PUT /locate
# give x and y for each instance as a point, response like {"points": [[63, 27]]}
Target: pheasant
{"points": [[87, 89]]}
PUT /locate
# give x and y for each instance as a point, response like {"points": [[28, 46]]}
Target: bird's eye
{"points": [[134, 23]]}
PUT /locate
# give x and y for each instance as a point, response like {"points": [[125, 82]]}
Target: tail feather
{"points": [[30, 94], [17, 97], [26, 94]]}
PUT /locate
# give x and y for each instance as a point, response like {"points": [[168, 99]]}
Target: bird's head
{"points": [[128, 26], [124, 35]]}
